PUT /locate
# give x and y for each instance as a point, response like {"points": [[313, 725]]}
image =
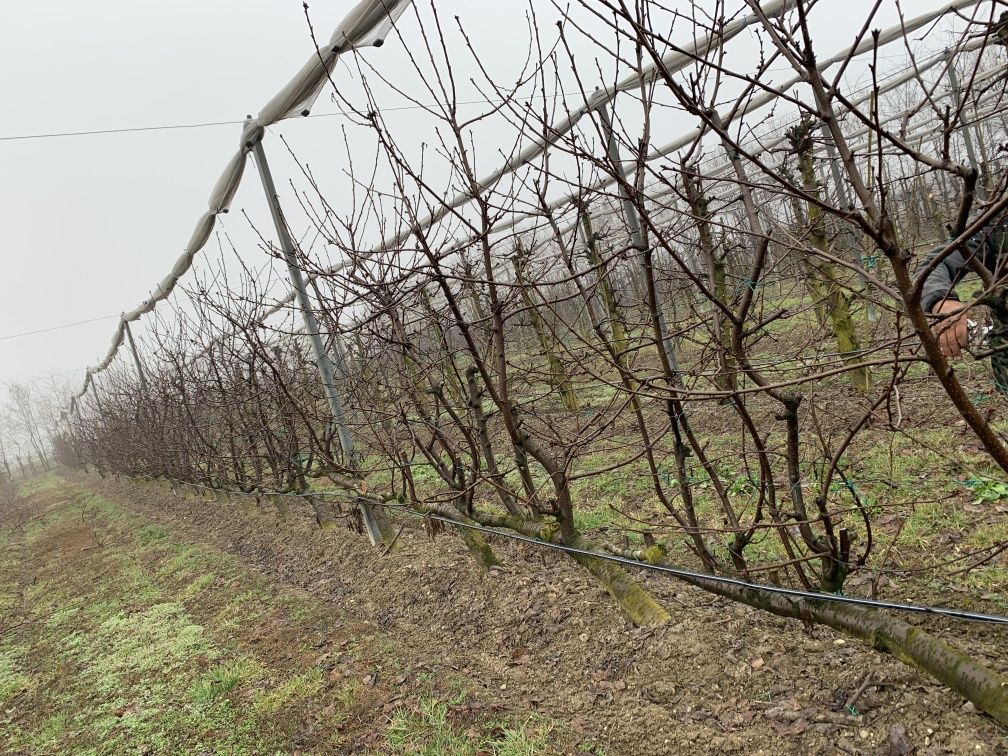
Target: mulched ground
{"points": [[538, 636]]}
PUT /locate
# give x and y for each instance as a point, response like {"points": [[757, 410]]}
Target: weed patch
{"points": [[439, 727]]}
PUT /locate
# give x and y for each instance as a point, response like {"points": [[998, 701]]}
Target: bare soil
{"points": [[539, 637]]}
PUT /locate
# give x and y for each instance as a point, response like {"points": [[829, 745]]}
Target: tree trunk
{"points": [[636, 603], [616, 325]]}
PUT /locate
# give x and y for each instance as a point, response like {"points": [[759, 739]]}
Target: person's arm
{"points": [[939, 284], [938, 295]]}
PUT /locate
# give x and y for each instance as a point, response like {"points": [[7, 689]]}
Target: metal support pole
{"points": [[94, 393], [834, 162], [946, 195], [98, 403], [637, 234], [953, 78], [136, 359], [322, 361], [845, 201]]}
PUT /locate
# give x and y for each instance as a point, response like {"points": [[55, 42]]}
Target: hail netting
{"points": [[675, 61], [368, 24]]}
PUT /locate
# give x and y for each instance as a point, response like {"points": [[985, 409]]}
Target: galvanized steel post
{"points": [[844, 197], [322, 360], [953, 77], [136, 358], [636, 233]]}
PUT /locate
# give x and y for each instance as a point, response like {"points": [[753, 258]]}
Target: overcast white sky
{"points": [[91, 223]]}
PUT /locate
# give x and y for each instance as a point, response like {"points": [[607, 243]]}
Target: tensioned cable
{"points": [[56, 328], [207, 124], [56, 375], [125, 130], [683, 573], [679, 572]]}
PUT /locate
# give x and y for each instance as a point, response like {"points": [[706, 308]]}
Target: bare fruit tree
{"points": [[668, 353]]}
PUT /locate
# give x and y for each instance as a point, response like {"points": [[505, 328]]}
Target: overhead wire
{"points": [[56, 327], [239, 122]]}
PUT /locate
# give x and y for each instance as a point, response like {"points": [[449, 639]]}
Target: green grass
{"points": [[121, 664], [222, 679], [925, 477], [13, 678], [139, 643], [931, 519], [428, 730], [292, 690], [40, 484]]}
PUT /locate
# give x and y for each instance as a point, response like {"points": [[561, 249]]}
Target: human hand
{"points": [[953, 330]]}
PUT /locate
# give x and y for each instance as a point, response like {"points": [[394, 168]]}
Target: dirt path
{"points": [[118, 637], [531, 658]]}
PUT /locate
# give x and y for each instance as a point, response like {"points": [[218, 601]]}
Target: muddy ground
{"points": [[538, 640]]}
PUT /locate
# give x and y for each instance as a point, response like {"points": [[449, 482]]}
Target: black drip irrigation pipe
{"points": [[679, 572]]}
